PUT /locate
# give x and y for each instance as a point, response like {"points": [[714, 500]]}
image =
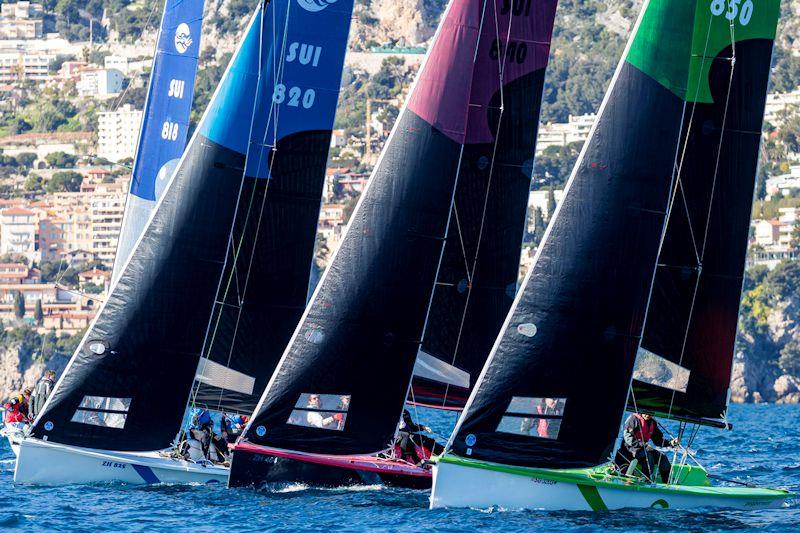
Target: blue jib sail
{"points": [[166, 118]]}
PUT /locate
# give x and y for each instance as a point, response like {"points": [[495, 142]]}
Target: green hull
{"points": [[600, 488]]}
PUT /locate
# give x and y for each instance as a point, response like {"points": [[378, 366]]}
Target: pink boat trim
{"points": [[368, 463]]}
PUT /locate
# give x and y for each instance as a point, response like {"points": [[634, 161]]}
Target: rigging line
{"points": [[458, 171], [271, 162], [207, 345], [680, 160], [689, 219], [463, 246], [501, 72], [710, 204]]}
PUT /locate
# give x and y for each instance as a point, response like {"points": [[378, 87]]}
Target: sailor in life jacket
{"points": [[639, 431], [16, 408]]}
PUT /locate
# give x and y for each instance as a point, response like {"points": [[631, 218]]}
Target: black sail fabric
{"points": [[480, 266], [554, 388], [127, 386], [364, 325], [695, 304]]}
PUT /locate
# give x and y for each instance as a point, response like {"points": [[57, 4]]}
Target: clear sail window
{"points": [[533, 417], [653, 369], [102, 411], [323, 411]]}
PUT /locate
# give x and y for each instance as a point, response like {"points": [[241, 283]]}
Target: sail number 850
{"points": [[293, 96], [733, 9]]}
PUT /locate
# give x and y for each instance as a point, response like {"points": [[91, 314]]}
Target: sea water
{"points": [[763, 448]]}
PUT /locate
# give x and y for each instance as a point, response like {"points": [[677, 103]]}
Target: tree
{"points": [[27, 159], [551, 203], [60, 160], [789, 360], [33, 184], [38, 313], [19, 305], [67, 181]]}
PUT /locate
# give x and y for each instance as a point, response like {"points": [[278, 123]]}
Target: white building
{"points": [[561, 134], [18, 65], [106, 210], [539, 199], [100, 82], [18, 230], [784, 183], [118, 132], [119, 63], [778, 103], [21, 20]]}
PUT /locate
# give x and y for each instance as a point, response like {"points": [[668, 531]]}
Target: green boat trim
{"points": [[600, 476]]}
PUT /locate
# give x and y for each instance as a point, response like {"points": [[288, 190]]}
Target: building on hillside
{"points": [[100, 82], [98, 278], [18, 273], [786, 184], [19, 228], [21, 20], [778, 104], [766, 232], [118, 132], [52, 235], [541, 199], [106, 212], [77, 257], [576, 129], [119, 63], [71, 70], [18, 65]]}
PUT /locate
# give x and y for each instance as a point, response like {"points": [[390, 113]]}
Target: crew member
{"points": [[639, 431]]}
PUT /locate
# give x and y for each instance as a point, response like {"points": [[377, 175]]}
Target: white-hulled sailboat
{"points": [[662, 191], [208, 298]]}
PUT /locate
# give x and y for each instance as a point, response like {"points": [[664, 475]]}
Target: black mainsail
{"points": [[127, 385], [342, 382], [685, 362], [480, 267]]}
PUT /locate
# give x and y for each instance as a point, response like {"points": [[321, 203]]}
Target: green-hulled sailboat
{"points": [[633, 295]]}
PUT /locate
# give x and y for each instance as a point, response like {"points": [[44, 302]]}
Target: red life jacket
{"points": [[646, 427], [13, 413]]}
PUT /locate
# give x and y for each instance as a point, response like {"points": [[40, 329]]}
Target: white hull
{"points": [[455, 485], [14, 436], [48, 463]]}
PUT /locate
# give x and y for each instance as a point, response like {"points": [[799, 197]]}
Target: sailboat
{"points": [[330, 412], [215, 284], [162, 137], [677, 134]]}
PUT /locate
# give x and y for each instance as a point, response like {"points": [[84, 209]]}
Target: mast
{"points": [[165, 123], [480, 267], [684, 366], [555, 384], [361, 332]]}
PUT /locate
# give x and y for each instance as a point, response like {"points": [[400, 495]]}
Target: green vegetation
{"points": [[19, 305], [67, 181]]}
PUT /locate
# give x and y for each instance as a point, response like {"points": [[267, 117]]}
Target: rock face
{"points": [[18, 372]]}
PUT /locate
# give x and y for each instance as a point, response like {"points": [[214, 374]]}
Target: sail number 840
{"points": [[735, 8], [293, 96]]}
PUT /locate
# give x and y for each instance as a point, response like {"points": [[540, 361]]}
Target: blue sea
{"points": [[763, 448]]}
